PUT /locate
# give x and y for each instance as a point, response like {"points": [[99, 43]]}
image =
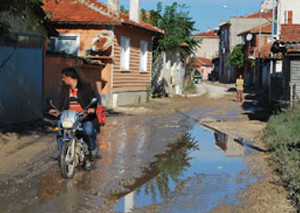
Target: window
{"points": [[143, 55], [125, 53], [67, 43]]}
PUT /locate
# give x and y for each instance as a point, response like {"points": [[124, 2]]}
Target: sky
{"points": [[206, 13]]}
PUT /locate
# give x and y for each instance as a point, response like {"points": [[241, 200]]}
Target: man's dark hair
{"points": [[70, 72]]}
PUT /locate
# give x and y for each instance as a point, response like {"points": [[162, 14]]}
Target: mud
{"points": [[130, 143]]}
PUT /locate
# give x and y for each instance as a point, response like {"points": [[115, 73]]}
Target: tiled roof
{"points": [[88, 11], [290, 32], [267, 15], [200, 61], [265, 28], [76, 11], [210, 34]]}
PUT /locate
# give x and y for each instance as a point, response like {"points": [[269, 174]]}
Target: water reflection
{"points": [[187, 179], [232, 146], [165, 173]]}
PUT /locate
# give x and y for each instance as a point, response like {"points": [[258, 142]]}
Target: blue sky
{"points": [[206, 13]]}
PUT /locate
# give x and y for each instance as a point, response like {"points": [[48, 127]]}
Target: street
{"points": [[186, 154]]}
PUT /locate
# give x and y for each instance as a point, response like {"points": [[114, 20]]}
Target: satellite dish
{"points": [[249, 37]]}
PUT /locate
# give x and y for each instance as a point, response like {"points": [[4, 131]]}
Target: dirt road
{"points": [[130, 143]]}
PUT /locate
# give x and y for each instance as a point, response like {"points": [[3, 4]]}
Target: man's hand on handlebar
{"points": [[91, 111], [53, 112]]}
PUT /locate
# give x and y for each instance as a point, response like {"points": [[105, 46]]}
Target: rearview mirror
{"points": [[94, 101]]}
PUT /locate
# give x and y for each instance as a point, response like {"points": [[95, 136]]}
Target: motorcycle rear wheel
{"points": [[67, 165]]}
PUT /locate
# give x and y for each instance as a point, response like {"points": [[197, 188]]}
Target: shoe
{"points": [[95, 153], [87, 165]]}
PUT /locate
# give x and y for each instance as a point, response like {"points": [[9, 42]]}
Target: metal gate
{"points": [[21, 78], [294, 78]]}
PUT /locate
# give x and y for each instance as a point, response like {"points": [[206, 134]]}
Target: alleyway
{"points": [[215, 163]]}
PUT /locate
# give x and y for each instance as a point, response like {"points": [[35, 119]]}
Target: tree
{"points": [[237, 57], [18, 8], [178, 27]]}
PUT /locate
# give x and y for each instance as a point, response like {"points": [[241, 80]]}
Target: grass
{"points": [[282, 137], [191, 88]]}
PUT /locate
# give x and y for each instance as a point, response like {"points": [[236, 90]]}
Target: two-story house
{"points": [[257, 55], [123, 42], [229, 38]]}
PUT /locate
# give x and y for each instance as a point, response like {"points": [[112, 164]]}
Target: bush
{"points": [[282, 137], [191, 88]]}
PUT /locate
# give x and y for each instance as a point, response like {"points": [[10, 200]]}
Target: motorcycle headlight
{"points": [[67, 124], [68, 118]]}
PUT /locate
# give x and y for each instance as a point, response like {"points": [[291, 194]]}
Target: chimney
{"points": [[114, 6], [290, 17], [134, 12], [208, 29]]}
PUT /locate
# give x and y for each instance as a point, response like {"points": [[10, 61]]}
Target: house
{"points": [[257, 50], [203, 66], [209, 45], [228, 33], [287, 52], [287, 13], [21, 67], [102, 34]]}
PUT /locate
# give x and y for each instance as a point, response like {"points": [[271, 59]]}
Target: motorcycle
{"points": [[74, 151]]}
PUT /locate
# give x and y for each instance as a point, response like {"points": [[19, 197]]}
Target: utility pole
{"points": [[259, 52], [271, 55], [259, 49]]}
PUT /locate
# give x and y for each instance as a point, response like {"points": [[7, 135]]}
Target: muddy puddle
{"points": [[201, 171]]}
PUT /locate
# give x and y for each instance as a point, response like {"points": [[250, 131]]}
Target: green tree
{"points": [[237, 57], [18, 8], [178, 27]]}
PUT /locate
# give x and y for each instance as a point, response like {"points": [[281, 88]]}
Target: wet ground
{"points": [[199, 172], [171, 159], [196, 173]]}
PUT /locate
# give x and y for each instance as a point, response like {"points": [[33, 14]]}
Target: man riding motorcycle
{"points": [[76, 94]]}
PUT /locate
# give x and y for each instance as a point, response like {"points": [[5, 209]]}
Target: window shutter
{"points": [[125, 52], [143, 55]]}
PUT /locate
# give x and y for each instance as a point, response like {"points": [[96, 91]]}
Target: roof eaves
{"points": [[153, 29], [85, 23]]}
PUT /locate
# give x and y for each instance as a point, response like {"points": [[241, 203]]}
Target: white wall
{"points": [[286, 5], [209, 48]]}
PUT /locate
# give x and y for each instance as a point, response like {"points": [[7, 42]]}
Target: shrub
{"points": [[282, 136], [191, 88]]}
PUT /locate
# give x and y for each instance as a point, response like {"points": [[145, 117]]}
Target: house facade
{"points": [[287, 51], [208, 45], [102, 34], [202, 66], [287, 13], [229, 38], [257, 50]]}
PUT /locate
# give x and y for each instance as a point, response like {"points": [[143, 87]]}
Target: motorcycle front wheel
{"points": [[67, 163]]}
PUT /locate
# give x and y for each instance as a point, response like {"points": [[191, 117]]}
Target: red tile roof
{"points": [[290, 32], [267, 15], [265, 28], [89, 11], [210, 34], [200, 61]]}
